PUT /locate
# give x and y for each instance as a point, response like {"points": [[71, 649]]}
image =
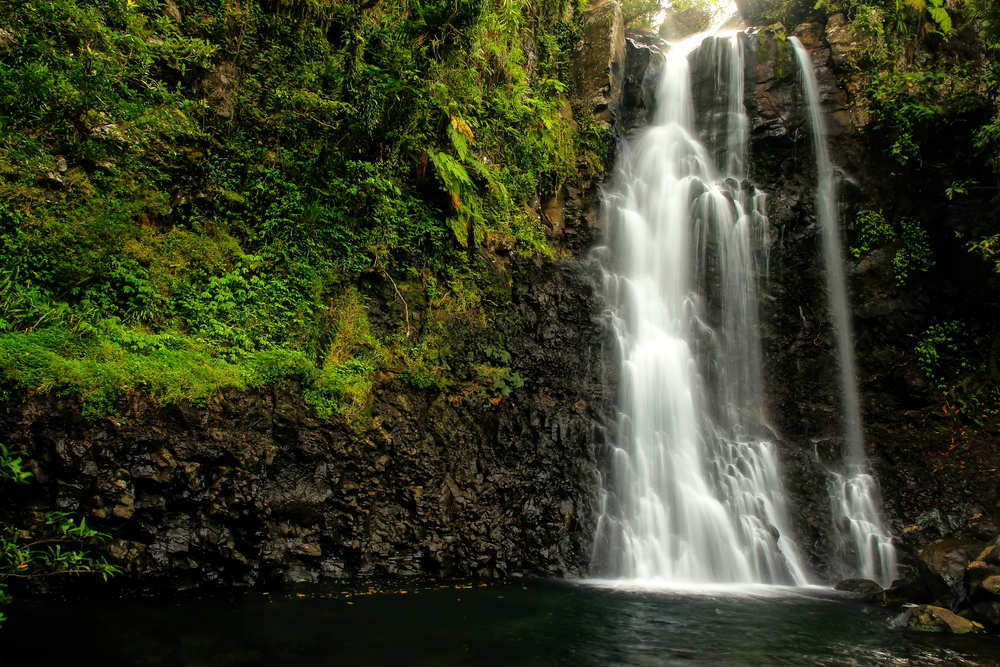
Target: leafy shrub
{"points": [[187, 196], [914, 253]]}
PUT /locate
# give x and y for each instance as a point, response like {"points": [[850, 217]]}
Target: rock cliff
{"points": [[253, 488]]}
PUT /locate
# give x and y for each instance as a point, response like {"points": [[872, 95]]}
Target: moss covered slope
{"points": [[191, 192]]}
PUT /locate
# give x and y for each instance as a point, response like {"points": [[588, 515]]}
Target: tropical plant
{"points": [[53, 543], [189, 192]]}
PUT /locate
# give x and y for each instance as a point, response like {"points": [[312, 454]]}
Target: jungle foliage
{"points": [[191, 191]]}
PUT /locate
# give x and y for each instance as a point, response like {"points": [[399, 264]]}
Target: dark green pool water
{"points": [[530, 623]]}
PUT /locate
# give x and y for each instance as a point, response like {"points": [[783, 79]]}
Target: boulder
{"points": [[948, 558], [980, 580], [865, 588], [990, 554], [928, 618], [988, 613], [917, 583]]}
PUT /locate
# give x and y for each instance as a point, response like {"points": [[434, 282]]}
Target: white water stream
{"points": [[855, 497], [694, 492]]}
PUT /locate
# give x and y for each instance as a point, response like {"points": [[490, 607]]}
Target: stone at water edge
{"points": [[917, 583], [988, 611], [991, 585], [982, 589], [949, 558], [865, 588], [928, 618]]}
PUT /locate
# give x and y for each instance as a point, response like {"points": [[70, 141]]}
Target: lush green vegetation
{"points": [[913, 252], [192, 193], [201, 195], [55, 542]]}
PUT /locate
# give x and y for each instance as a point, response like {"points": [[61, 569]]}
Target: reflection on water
{"points": [[530, 623]]}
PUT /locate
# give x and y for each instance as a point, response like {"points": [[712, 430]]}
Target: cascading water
{"points": [[693, 494], [854, 493]]}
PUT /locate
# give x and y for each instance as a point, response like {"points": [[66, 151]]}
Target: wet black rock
{"points": [[864, 588]]}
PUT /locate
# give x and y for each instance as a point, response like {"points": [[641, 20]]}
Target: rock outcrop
{"points": [[253, 488], [599, 66], [928, 618], [981, 582]]}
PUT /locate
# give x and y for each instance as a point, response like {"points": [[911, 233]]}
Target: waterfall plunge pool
{"points": [[528, 622]]}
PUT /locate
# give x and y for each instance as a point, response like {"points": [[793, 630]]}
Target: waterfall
{"points": [[693, 491], [854, 492]]}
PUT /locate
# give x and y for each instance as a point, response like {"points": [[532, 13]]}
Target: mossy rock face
{"points": [[599, 66], [928, 618], [949, 557]]}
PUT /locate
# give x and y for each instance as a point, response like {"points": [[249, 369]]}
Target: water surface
{"points": [[529, 623]]}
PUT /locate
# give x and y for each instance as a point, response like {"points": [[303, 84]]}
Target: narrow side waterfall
{"points": [[854, 492], [693, 493]]}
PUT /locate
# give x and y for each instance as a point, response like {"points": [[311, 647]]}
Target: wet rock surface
{"points": [[599, 66], [863, 588], [643, 64]]}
